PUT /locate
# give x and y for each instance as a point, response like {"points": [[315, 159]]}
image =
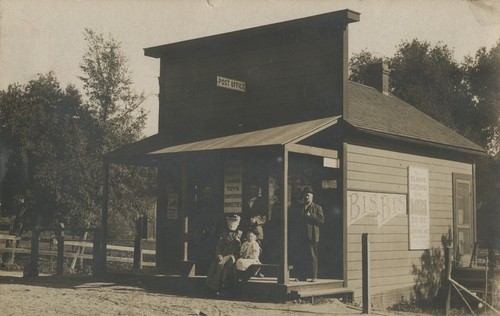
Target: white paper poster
{"points": [[418, 216], [233, 193], [172, 206]]}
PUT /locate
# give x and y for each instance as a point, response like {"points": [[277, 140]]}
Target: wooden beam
{"points": [[345, 71], [284, 273], [309, 150], [473, 295], [184, 196], [365, 266]]}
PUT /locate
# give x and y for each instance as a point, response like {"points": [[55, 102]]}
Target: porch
{"points": [[281, 160], [265, 289]]}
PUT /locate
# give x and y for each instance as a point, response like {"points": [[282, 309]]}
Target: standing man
{"points": [[312, 218]]}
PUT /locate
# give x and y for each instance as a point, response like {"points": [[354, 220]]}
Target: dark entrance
{"points": [[310, 171]]}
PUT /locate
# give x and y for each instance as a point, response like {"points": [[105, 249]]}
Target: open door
{"points": [[311, 171]]}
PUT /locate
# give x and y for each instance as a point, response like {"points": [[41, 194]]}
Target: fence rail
{"points": [[80, 250]]}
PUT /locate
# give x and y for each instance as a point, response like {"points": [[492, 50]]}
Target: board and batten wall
{"points": [[391, 262]]}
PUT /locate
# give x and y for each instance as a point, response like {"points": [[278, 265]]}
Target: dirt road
{"points": [[78, 295]]}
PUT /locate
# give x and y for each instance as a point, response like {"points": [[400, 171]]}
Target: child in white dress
{"points": [[249, 252]]}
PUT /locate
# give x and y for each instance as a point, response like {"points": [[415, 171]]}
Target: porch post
{"points": [[184, 193], [284, 274], [104, 216]]}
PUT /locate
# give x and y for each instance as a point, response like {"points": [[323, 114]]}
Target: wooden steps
{"points": [[318, 285], [472, 278], [319, 288], [343, 291]]}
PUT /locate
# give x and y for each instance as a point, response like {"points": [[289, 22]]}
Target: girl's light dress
{"points": [[249, 252]]}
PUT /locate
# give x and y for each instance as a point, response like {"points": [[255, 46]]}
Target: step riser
{"points": [[341, 292], [316, 286]]}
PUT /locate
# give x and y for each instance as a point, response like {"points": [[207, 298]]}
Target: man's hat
{"points": [[308, 190]]}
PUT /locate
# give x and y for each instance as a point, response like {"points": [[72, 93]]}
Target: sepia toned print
{"points": [[205, 163]]}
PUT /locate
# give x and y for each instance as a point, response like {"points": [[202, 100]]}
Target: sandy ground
{"points": [[78, 295]]}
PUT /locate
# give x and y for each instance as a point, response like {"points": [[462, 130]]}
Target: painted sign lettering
{"points": [[231, 84], [233, 186], [382, 206]]}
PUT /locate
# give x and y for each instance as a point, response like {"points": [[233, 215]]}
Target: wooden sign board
{"points": [[233, 182]]}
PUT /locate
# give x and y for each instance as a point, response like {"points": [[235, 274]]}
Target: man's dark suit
{"points": [[313, 217]]}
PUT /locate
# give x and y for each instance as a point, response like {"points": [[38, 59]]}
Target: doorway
{"points": [[306, 171], [463, 217]]}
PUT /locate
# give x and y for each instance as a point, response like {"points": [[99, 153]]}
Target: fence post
{"points": [[35, 242], [366, 273], [490, 282], [60, 249], [96, 252], [137, 243], [447, 283]]}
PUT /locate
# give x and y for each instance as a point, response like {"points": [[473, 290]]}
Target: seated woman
{"points": [[221, 273], [249, 255]]}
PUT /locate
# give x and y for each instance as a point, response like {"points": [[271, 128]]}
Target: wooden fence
{"points": [[61, 248]]}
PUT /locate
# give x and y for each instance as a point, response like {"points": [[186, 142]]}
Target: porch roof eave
{"points": [[153, 150]]}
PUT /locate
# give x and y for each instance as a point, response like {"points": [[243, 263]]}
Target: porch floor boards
{"points": [[256, 289]]}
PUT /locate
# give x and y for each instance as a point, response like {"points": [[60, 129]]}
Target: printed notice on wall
{"points": [[233, 186], [418, 216], [172, 206]]}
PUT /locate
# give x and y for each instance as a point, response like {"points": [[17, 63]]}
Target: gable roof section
{"points": [[375, 112]]}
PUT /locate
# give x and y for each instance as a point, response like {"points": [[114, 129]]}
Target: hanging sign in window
{"points": [[172, 206], [231, 84]]}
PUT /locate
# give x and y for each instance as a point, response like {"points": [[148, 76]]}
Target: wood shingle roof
{"points": [[375, 112]]}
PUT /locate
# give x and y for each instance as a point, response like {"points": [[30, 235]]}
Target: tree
{"points": [[430, 79], [482, 78], [120, 118], [46, 131], [110, 97]]}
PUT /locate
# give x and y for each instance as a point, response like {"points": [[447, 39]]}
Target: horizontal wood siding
{"points": [[287, 80], [391, 261]]}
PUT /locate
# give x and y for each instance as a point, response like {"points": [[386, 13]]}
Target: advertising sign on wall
{"points": [[233, 193], [382, 206], [418, 216]]}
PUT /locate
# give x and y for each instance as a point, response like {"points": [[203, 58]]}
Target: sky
{"points": [[38, 36]]}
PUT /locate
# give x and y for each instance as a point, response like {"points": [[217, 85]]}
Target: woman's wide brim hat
{"points": [[233, 218]]}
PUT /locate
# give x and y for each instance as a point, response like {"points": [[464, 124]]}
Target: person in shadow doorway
{"points": [[307, 231], [255, 214], [205, 225]]}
